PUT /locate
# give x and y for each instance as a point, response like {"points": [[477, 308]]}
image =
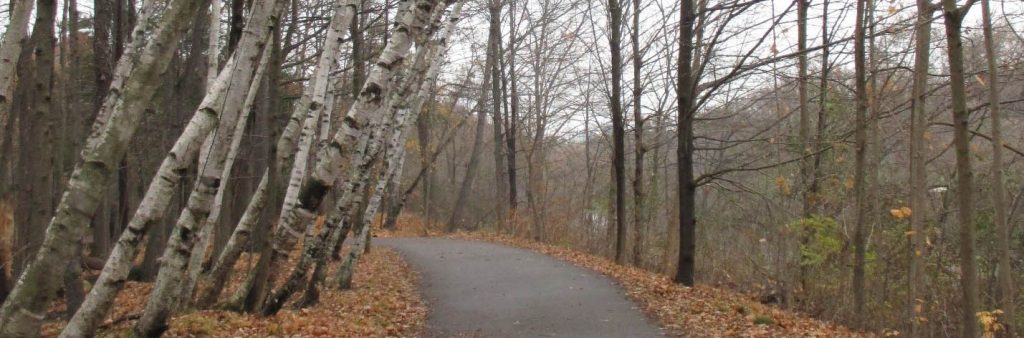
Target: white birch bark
{"points": [[10, 52], [287, 148], [409, 26], [413, 94], [285, 237], [351, 197], [239, 238], [213, 43], [212, 51], [206, 239], [224, 96], [135, 80], [162, 298]]}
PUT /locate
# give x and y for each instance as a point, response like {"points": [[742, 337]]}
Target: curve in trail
{"points": [[483, 289]]}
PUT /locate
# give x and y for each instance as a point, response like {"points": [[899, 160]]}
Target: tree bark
{"points": [[639, 211], [686, 95], [134, 82], [863, 205], [223, 99], [491, 65], [313, 188], [199, 253], [918, 174], [1003, 230], [287, 235], [37, 116], [964, 172], [10, 52], [618, 129]]}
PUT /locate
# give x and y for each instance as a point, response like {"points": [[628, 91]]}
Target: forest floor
{"points": [[384, 301], [700, 311]]}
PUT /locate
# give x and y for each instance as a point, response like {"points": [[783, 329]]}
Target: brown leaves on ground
{"points": [[700, 311], [384, 302]]}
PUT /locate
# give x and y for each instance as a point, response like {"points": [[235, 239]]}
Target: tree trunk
{"points": [[686, 95], [639, 212], [618, 130], [36, 118], [135, 83], [361, 113], [457, 221], [964, 173], [1002, 227], [918, 174], [491, 65], [863, 205], [10, 52], [224, 97], [199, 253], [288, 233]]}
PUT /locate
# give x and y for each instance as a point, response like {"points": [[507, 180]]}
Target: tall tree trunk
{"points": [[639, 212], [512, 112], [491, 65], [863, 205], [37, 138], [918, 174], [618, 130], [1002, 226], [964, 173], [686, 95]]}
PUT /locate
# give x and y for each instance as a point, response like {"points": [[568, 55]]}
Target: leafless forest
{"points": [[859, 161]]}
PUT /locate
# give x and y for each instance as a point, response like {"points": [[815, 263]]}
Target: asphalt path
{"points": [[490, 290]]}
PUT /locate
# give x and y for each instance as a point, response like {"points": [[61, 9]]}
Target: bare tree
{"points": [[954, 17]]}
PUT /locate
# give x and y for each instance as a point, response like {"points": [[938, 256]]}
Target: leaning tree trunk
{"points": [[168, 284], [136, 79], [422, 72], [303, 200], [284, 238], [199, 253], [224, 96]]}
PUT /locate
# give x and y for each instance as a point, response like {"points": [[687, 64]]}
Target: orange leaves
{"points": [[383, 303], [900, 213]]}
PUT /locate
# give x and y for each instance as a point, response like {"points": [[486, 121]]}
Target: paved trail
{"points": [[490, 290]]}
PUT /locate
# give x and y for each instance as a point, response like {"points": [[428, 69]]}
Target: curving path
{"points": [[483, 289]]}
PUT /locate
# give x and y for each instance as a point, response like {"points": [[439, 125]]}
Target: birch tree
{"points": [[10, 51], [133, 85], [224, 98], [284, 238], [301, 205], [199, 253]]}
